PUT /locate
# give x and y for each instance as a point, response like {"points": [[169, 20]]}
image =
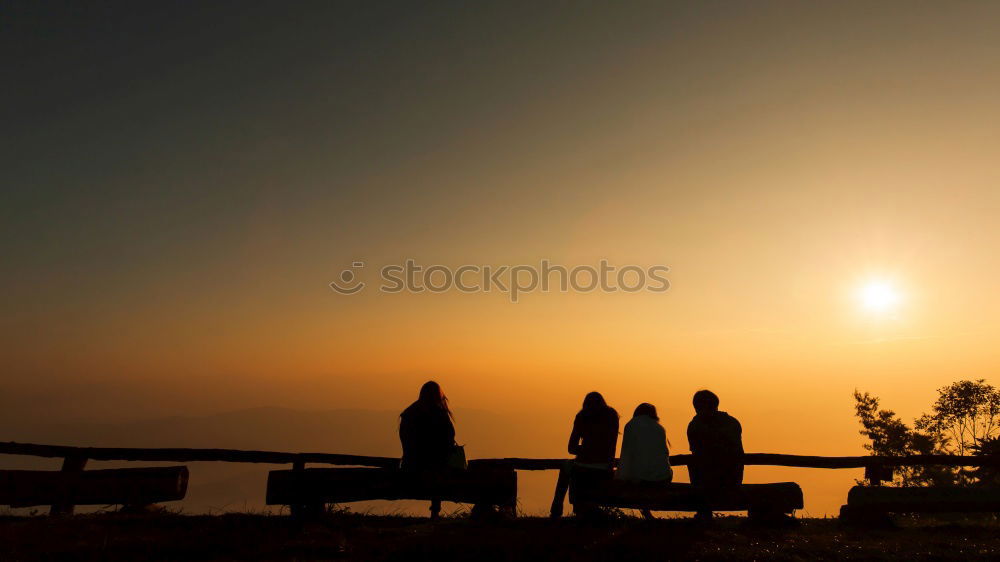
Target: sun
{"points": [[879, 296]]}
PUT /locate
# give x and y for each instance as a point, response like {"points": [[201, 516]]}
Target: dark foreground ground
{"points": [[360, 537]]}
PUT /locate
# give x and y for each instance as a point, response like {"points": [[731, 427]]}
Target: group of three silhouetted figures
{"points": [[427, 433]]}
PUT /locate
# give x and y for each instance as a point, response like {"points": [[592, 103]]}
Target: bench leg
{"points": [[298, 510], [70, 464], [509, 511], [435, 509], [562, 486]]}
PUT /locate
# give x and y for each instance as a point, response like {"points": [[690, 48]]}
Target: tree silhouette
{"points": [[890, 436], [964, 419]]}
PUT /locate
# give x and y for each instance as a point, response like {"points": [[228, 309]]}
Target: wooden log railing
{"points": [[190, 455], [517, 463], [772, 459], [877, 468]]}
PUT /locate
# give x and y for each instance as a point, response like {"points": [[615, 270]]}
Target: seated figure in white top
{"points": [[645, 457]]}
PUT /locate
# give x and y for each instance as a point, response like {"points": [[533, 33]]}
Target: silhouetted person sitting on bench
{"points": [[593, 441], [645, 458], [716, 442], [427, 433], [595, 434]]}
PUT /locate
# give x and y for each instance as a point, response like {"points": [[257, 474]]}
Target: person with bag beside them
{"points": [[427, 434]]}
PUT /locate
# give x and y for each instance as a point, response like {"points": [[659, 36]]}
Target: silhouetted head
{"points": [[594, 402], [705, 402], [431, 396], [594, 406], [646, 409]]}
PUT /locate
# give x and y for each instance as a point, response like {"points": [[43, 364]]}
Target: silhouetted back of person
{"points": [[645, 454], [592, 441], [427, 431], [716, 442], [595, 433]]}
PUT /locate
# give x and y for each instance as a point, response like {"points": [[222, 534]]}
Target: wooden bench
{"points": [[868, 502], [760, 500], [132, 487], [305, 489]]}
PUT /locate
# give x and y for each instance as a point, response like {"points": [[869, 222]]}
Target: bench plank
{"points": [[344, 485], [127, 486], [783, 497], [914, 499]]}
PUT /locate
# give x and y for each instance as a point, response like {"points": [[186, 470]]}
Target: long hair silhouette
{"points": [[432, 397], [594, 405], [646, 409]]}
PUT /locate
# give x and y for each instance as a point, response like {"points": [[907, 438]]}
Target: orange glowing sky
{"points": [[182, 184]]}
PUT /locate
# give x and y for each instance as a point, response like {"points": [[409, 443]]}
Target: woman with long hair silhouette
{"points": [[595, 434], [645, 457], [427, 430], [427, 434], [592, 441]]}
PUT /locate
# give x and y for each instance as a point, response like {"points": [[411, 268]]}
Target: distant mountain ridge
{"points": [[351, 431], [269, 428]]}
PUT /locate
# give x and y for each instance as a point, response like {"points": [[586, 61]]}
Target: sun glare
{"points": [[879, 296]]}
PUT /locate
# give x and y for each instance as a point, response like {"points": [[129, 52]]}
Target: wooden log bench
{"points": [[759, 500], [131, 487], [867, 503], [306, 490]]}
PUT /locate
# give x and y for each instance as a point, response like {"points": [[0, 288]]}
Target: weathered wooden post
{"points": [[298, 509], [70, 464]]}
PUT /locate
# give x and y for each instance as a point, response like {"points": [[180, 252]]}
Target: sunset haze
{"points": [[182, 183]]}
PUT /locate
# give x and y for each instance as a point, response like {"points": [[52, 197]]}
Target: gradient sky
{"points": [[181, 182]]}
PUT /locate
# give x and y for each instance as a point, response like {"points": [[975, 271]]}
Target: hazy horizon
{"points": [[222, 486], [184, 182]]}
